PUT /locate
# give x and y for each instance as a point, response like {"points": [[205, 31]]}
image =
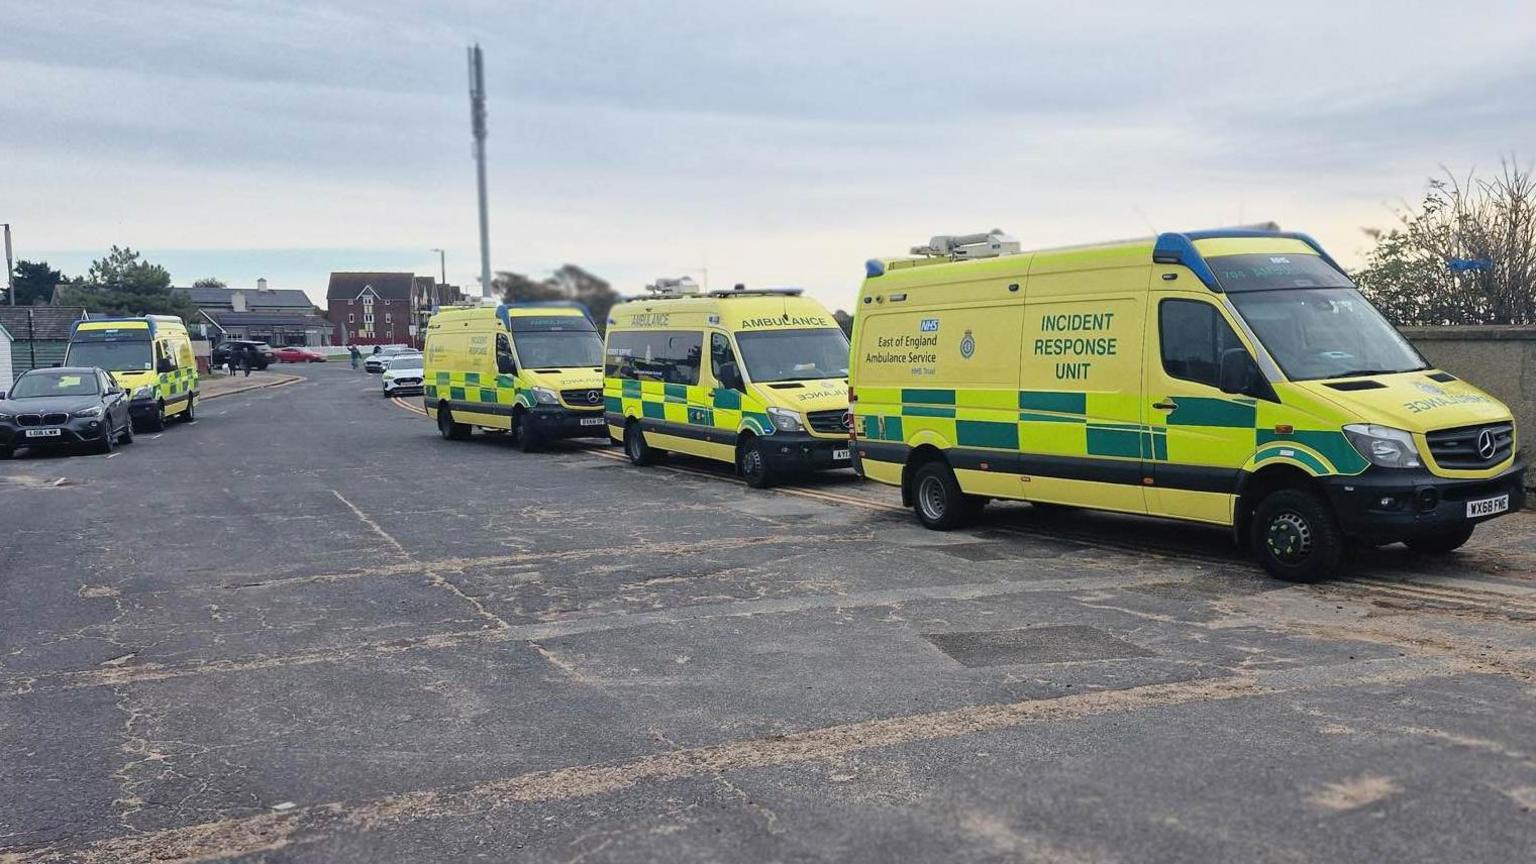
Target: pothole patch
{"points": [[1034, 645]]}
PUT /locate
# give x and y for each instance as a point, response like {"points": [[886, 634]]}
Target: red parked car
{"points": [[296, 354]]}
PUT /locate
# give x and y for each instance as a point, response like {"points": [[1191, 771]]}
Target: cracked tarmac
{"points": [[304, 629]]}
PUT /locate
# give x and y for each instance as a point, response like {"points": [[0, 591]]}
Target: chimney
{"points": [[237, 301], [261, 284]]}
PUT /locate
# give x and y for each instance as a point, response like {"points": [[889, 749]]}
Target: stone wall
{"points": [[1498, 360]]}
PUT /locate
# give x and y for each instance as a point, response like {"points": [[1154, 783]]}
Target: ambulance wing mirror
{"points": [[729, 376], [1239, 374], [505, 364]]}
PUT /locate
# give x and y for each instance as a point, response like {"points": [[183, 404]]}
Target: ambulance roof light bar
{"points": [[960, 247], [673, 287]]}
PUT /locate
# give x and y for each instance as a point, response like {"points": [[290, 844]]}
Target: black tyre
{"points": [[190, 415], [639, 452], [447, 428], [1295, 537], [108, 441], [1441, 542], [752, 463], [126, 436], [938, 500], [528, 438], [156, 421], [6, 453]]}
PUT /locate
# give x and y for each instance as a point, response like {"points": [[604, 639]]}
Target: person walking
{"points": [[245, 352], [356, 355]]}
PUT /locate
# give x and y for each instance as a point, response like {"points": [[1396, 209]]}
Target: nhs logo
{"points": [[929, 325]]}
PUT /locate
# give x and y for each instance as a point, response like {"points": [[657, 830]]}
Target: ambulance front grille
{"points": [[828, 422], [583, 396], [1472, 447]]}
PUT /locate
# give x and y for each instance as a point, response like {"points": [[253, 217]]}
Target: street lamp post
{"points": [[10, 281]]}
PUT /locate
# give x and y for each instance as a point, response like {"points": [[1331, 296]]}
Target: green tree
{"points": [[123, 283], [570, 282], [1466, 255], [35, 282], [209, 282]]}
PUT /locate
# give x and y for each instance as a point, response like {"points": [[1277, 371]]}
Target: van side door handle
{"points": [[1165, 405]]}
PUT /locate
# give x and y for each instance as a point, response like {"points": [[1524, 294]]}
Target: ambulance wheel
{"points": [[156, 421], [528, 439], [1440, 542], [1295, 536], [937, 498], [450, 430], [752, 462], [639, 452], [190, 415]]}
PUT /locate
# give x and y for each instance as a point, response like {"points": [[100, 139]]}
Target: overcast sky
{"points": [[775, 143]]}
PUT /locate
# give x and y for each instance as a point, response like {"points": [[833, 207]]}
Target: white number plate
{"points": [[43, 433], [1487, 506], [839, 455], [592, 421]]}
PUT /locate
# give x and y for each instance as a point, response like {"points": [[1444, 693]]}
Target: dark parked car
{"points": [[260, 353], [64, 405]]}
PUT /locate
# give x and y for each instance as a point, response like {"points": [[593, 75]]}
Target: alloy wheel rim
{"points": [[751, 462]]}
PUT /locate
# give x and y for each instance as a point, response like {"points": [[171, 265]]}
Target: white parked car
{"points": [[376, 362], [402, 374]]}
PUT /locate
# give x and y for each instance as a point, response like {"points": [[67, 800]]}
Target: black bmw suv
{"points": [[64, 405]]}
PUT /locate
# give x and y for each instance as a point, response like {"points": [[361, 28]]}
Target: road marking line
{"points": [[239, 836]]}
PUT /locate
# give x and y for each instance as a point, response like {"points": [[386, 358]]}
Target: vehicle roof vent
{"points": [[959, 247], [673, 287]]}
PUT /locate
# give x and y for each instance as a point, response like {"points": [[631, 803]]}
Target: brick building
{"points": [[384, 308]]}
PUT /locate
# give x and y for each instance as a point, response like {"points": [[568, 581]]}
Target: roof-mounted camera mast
{"points": [[963, 247], [683, 285]]}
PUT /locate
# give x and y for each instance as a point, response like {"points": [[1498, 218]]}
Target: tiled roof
{"points": [[48, 322], [222, 298], [392, 286]]}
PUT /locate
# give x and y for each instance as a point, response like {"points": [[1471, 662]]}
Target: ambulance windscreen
{"points": [[794, 355]]}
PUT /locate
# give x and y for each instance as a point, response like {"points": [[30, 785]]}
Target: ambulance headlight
{"points": [[786, 420], [145, 392], [1383, 445], [545, 396]]}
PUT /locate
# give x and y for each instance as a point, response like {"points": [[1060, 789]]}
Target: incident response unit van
{"points": [[151, 358], [756, 378], [532, 369], [1231, 377]]}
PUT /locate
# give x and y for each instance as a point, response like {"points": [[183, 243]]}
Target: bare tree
{"points": [[1467, 255]]}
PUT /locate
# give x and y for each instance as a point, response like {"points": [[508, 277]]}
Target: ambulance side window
{"points": [[504, 362], [669, 356], [1193, 336], [722, 356]]}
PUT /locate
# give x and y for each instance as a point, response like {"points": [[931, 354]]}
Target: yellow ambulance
{"points": [[531, 369], [756, 378], [151, 358], [1231, 377]]}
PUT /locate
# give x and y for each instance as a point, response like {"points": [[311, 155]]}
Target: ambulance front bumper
{"points": [[551, 421], [1386, 505], [799, 451]]}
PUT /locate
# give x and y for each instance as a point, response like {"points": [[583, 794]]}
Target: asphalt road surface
{"points": [[304, 629]]}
